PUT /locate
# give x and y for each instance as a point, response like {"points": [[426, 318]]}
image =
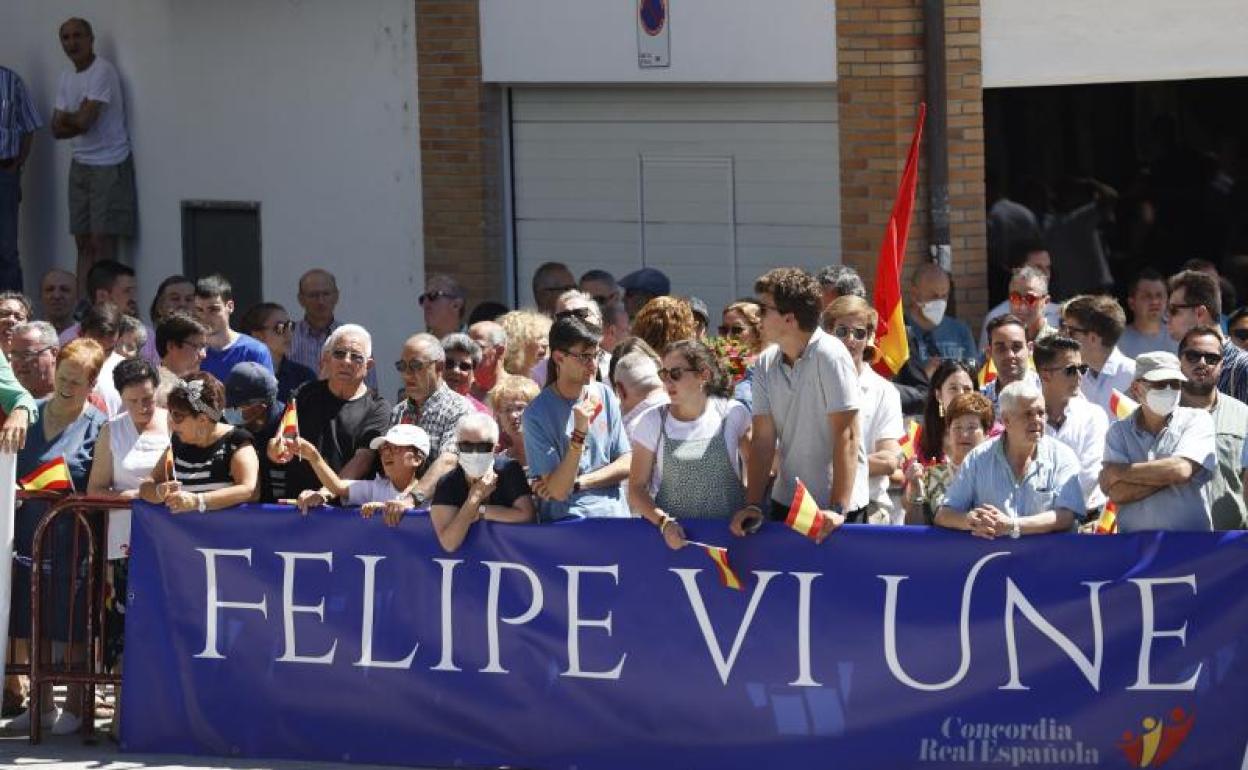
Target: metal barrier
{"points": [[90, 528]]}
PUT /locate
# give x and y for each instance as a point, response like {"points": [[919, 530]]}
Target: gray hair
{"points": [[1030, 273], [843, 279], [356, 330], [637, 371], [131, 325], [479, 421], [1017, 393], [46, 331], [595, 312], [495, 335], [458, 342], [429, 343]]}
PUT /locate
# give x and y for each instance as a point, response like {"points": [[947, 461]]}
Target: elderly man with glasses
{"points": [[1158, 460], [1200, 360], [1072, 419], [339, 414], [429, 403], [443, 305], [33, 355]]}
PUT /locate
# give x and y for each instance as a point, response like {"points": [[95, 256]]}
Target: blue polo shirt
{"points": [[1050, 482], [1188, 433], [218, 363]]}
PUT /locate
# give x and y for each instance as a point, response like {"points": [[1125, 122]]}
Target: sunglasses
{"points": [[580, 312], [1027, 299], [475, 446], [343, 355], [1070, 370], [461, 366], [1195, 357], [431, 296], [414, 366], [732, 331], [676, 372], [858, 333], [1167, 385]]}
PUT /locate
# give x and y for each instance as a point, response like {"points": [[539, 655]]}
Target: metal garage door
{"points": [[711, 185]]}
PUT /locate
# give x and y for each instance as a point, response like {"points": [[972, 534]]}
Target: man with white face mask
{"points": [[935, 336], [482, 485], [1159, 461]]}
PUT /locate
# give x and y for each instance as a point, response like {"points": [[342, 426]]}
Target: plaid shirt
{"points": [[438, 416], [305, 348], [1234, 378], [18, 114]]}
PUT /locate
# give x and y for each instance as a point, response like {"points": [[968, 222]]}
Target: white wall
{"points": [[1056, 42], [307, 107], [712, 41]]}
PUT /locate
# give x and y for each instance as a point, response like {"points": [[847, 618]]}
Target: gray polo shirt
{"points": [[799, 397], [1051, 480], [1188, 433], [1226, 488]]}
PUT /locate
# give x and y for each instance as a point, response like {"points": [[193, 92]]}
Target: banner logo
{"points": [[1158, 740], [653, 15]]}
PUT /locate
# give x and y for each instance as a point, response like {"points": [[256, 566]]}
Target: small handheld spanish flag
{"points": [[804, 515], [289, 427], [910, 442], [1121, 405], [987, 372], [170, 472], [1107, 524], [52, 476], [726, 574]]}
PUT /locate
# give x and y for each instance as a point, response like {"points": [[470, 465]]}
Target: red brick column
{"points": [[880, 66], [460, 151]]}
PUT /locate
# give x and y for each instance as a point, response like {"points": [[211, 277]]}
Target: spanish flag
{"points": [[1120, 404], [804, 515], [289, 427], [987, 372], [910, 442], [892, 348], [1107, 524], [52, 476], [726, 574]]}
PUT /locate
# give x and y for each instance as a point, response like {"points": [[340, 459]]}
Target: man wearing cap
{"points": [[251, 403], [641, 286], [701, 316], [1159, 461], [403, 449]]}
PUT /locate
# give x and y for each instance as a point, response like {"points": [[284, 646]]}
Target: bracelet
{"points": [[203, 506], [666, 521], [578, 438], [752, 506]]}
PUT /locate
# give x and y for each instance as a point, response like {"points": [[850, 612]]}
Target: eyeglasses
{"points": [[1027, 299], [1175, 307], [1070, 370], [340, 354], [859, 333], [475, 446], [582, 313], [676, 372], [1195, 357], [588, 358], [29, 355], [1167, 385], [732, 331], [431, 296], [462, 366], [414, 366], [282, 327], [1240, 334]]}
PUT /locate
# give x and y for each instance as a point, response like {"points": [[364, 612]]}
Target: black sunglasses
{"points": [[340, 354], [431, 296], [845, 332], [676, 372], [413, 366], [463, 366], [1195, 357], [1070, 370], [582, 313], [475, 446]]}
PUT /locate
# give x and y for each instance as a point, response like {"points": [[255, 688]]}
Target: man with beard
{"points": [[1200, 360], [1010, 353]]}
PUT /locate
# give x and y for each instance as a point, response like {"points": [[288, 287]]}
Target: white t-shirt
{"points": [[879, 419], [107, 143], [377, 490], [104, 385], [718, 412]]}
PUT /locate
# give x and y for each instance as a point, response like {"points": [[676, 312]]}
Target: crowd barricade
{"points": [[85, 609]]}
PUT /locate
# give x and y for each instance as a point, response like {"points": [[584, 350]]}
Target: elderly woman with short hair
{"points": [[463, 356], [482, 486], [1019, 483], [509, 398]]}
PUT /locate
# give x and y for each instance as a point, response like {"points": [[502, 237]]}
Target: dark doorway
{"points": [[224, 237], [1176, 153]]}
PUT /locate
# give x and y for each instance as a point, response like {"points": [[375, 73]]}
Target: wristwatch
{"points": [[1015, 532], [418, 498]]}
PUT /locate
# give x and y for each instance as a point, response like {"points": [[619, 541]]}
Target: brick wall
{"points": [[460, 151], [880, 65]]}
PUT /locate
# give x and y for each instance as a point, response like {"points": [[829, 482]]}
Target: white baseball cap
{"points": [[403, 434]]}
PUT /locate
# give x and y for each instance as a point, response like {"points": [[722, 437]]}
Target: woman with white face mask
{"points": [[482, 486]]}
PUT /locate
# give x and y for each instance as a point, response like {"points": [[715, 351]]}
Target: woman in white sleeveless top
{"points": [[129, 446]]}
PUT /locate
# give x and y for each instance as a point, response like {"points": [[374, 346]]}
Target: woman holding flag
{"points": [[688, 456], [57, 457]]}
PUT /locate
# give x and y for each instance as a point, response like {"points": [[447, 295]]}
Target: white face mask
{"points": [[1162, 401], [475, 464], [934, 311]]}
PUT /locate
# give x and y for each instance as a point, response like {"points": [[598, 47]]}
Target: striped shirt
{"points": [[18, 114], [205, 468], [306, 343]]}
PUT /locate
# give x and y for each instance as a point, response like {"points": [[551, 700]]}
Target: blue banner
{"points": [[255, 632]]}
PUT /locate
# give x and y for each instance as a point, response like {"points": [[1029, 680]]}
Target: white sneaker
{"points": [[21, 722], [66, 723]]}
